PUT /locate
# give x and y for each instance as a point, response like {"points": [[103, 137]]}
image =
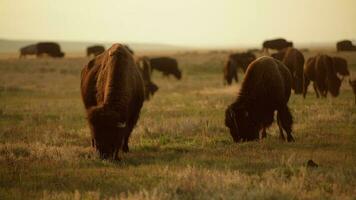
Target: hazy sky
{"points": [[180, 22]]}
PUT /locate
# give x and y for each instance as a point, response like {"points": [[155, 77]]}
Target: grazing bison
{"points": [[340, 66], [167, 66], [40, 49], [235, 61], [145, 68], [276, 44], [95, 50], [265, 89], [353, 86], [294, 60], [28, 50], [113, 93], [320, 70], [345, 45]]}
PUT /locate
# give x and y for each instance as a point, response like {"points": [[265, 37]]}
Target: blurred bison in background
{"points": [[41, 49], [265, 89], [345, 45], [145, 68], [276, 44], [95, 50], [353, 86], [320, 69], [340, 66], [294, 60], [235, 61], [167, 66], [113, 93]]}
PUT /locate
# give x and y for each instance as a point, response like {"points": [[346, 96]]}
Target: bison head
{"points": [[106, 126], [241, 125], [334, 84], [178, 74]]}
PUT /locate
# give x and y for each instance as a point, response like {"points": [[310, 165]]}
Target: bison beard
{"points": [[113, 94], [266, 88]]}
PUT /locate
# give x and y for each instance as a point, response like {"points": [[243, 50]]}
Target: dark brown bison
{"points": [[235, 61], [353, 86], [28, 50], [40, 49], [294, 60], [95, 50], [321, 71], [276, 44], [340, 66], [167, 66], [345, 45], [265, 89], [51, 49], [145, 68], [113, 93]]}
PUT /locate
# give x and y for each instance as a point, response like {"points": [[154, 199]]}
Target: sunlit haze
{"points": [[180, 22]]}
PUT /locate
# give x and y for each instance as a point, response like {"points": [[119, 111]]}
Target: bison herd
{"points": [[115, 84]]}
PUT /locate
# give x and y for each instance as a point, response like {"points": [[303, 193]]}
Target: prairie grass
{"points": [[180, 148]]}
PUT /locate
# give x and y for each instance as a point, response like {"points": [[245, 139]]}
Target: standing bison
{"points": [[320, 69], [276, 44], [345, 45], [95, 50], [145, 68], [294, 60], [168, 66], [265, 89], [113, 93], [235, 61], [40, 49]]}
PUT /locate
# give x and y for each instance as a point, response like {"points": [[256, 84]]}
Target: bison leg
{"points": [[281, 135], [236, 77], [285, 121], [305, 86], [263, 133], [316, 89]]}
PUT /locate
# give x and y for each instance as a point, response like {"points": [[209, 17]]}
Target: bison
{"points": [[113, 93], [145, 68], [353, 86], [40, 49], [294, 60], [265, 89], [345, 45], [167, 66], [276, 44], [95, 50], [321, 71], [235, 61]]}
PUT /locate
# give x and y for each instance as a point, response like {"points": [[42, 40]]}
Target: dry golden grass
{"points": [[180, 148]]}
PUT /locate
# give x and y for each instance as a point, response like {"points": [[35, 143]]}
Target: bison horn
{"points": [[121, 124]]}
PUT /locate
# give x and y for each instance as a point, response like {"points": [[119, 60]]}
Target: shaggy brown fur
{"points": [[345, 45], [113, 93], [95, 50], [353, 86], [320, 70], [277, 44], [265, 89], [145, 68], [340, 66], [167, 66], [294, 60], [235, 61], [28, 50]]}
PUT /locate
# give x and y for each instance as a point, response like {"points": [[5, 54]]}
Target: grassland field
{"points": [[180, 148]]}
